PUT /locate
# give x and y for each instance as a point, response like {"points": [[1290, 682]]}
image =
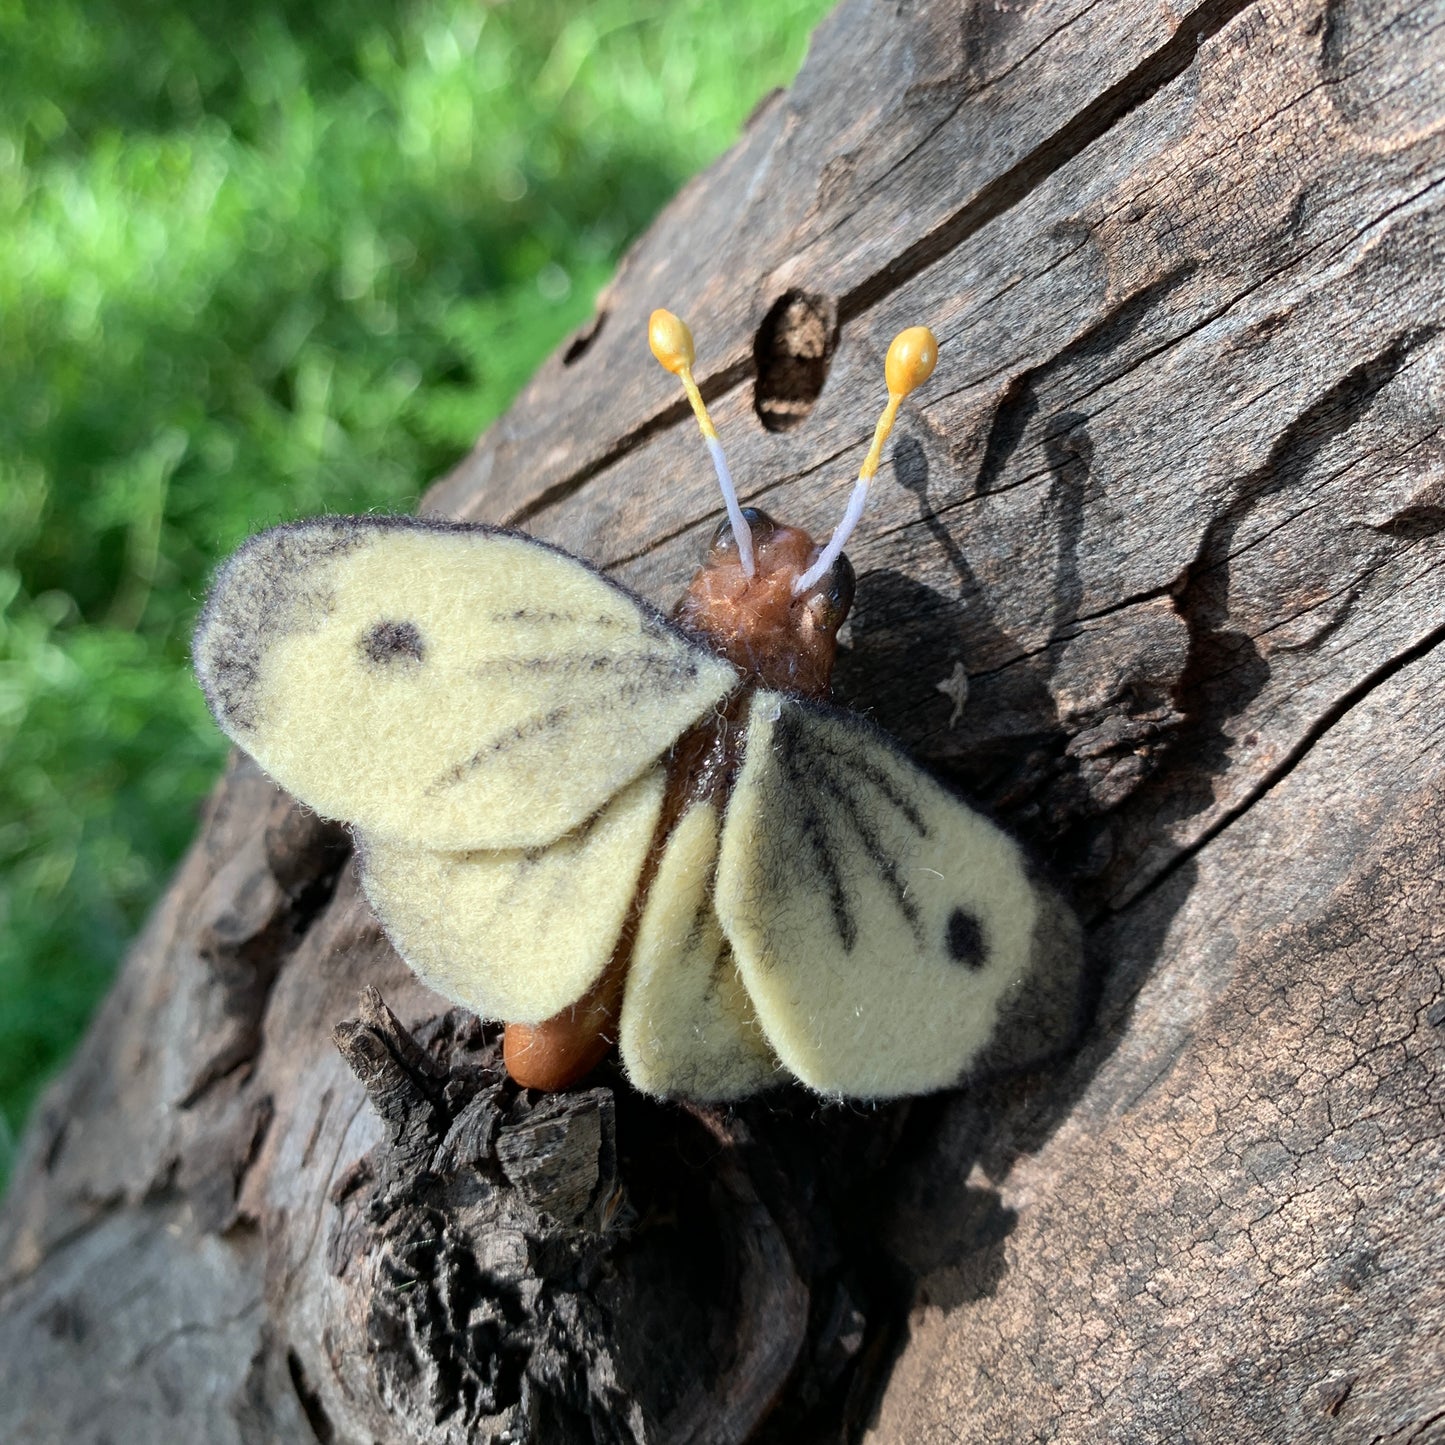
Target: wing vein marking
{"points": [[637, 666], [644, 667], [812, 826], [853, 762], [699, 917], [535, 616], [837, 783], [514, 737], [842, 776], [714, 974], [841, 790]]}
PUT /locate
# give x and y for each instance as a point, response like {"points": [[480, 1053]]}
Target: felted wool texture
{"points": [[516, 935], [446, 687], [877, 921], [688, 1028]]}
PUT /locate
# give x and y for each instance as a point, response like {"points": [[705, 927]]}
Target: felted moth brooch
{"points": [[602, 825]]}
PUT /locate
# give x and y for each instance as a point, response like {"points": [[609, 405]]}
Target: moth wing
{"points": [[516, 934], [443, 686], [688, 1028], [878, 923]]}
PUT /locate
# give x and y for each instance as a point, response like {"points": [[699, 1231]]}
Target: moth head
{"points": [[768, 596], [758, 620]]}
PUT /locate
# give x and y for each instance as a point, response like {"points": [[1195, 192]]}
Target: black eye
{"points": [[387, 642], [759, 524], [835, 593]]}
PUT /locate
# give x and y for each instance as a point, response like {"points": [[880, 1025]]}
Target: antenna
{"points": [[911, 358], [671, 343]]}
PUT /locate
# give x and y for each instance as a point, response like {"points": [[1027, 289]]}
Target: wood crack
{"points": [[1198, 356], [1000, 195], [1276, 775], [712, 386], [1090, 124]]}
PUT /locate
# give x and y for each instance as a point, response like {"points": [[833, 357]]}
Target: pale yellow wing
{"points": [[878, 922], [518, 934], [448, 687], [688, 1029]]}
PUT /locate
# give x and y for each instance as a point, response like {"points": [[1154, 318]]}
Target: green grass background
{"points": [[267, 260]]}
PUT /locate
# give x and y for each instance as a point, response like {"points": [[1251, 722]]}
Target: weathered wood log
{"points": [[1174, 506]]}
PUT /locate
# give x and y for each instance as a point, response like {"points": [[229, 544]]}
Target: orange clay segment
{"points": [[559, 1051], [783, 641]]}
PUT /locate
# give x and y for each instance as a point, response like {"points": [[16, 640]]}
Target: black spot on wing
{"points": [[964, 939], [388, 641], [271, 586]]}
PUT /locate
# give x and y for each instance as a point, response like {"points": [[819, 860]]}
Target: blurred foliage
{"points": [[259, 261]]}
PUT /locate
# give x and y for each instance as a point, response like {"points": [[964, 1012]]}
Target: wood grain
{"points": [[1174, 503]]}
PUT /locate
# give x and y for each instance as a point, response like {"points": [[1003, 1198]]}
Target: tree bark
{"points": [[1173, 504]]}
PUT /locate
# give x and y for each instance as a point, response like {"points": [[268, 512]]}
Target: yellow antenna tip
{"points": [[671, 341], [911, 358]]}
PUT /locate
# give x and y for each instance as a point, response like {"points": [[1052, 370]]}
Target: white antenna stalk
{"points": [[672, 345], [741, 530], [911, 358], [830, 554]]}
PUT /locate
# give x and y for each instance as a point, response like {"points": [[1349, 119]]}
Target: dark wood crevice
{"points": [[1330, 719], [1080, 131]]}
